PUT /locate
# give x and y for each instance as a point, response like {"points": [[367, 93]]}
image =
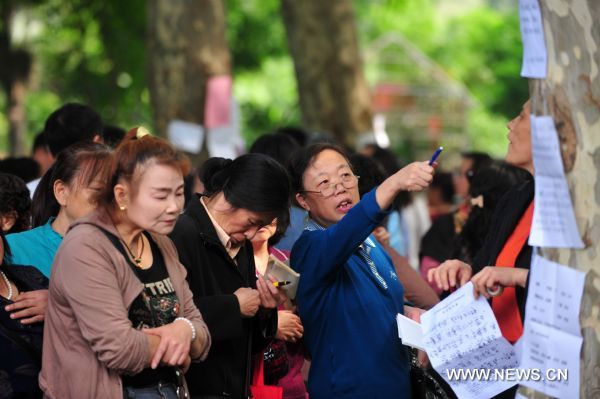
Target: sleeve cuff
{"points": [[371, 207]]}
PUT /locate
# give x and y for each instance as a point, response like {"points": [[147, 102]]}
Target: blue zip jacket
{"points": [[348, 312]]}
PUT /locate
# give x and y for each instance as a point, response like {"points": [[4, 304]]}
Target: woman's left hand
{"points": [[29, 306], [174, 346], [415, 315], [270, 296], [491, 277], [289, 326]]}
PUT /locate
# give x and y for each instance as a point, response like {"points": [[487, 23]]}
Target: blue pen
{"points": [[435, 155]]}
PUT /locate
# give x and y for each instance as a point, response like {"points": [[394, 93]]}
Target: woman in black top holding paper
{"points": [[284, 357], [20, 344], [212, 238]]}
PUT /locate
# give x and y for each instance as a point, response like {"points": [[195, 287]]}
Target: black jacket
{"points": [[20, 345], [213, 278], [506, 217]]}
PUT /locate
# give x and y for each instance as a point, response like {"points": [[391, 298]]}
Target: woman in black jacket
{"points": [[505, 257], [20, 343], [501, 268], [212, 238]]}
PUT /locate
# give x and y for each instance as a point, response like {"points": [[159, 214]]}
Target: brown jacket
{"points": [[88, 338]]}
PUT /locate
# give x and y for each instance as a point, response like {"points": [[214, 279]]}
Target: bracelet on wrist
{"points": [[189, 323]]}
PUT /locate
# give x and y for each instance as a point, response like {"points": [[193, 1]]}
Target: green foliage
{"points": [[265, 85], [480, 47], [38, 105], [255, 33], [415, 19], [94, 52], [488, 131], [88, 51], [483, 49], [267, 97]]}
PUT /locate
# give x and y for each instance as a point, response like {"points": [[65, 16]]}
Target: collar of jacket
{"points": [[312, 225], [196, 211], [508, 212], [206, 229]]}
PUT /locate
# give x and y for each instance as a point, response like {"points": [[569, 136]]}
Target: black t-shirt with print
{"points": [[156, 306]]}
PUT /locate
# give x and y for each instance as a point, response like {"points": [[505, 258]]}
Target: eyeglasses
{"points": [[348, 181]]}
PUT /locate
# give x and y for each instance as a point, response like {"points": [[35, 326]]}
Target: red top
{"points": [[505, 305]]}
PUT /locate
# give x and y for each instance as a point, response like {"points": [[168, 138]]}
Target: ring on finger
{"points": [[493, 292]]}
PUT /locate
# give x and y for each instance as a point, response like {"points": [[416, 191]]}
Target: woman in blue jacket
{"points": [[349, 293]]}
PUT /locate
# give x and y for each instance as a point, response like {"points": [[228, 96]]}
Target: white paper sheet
{"points": [[532, 34], [410, 332], [461, 333], [552, 352], [554, 295], [186, 136], [552, 333], [554, 222]]}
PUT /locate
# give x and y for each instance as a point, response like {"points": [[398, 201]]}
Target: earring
{"points": [[122, 207]]}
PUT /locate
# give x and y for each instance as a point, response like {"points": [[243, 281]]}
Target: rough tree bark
{"points": [[571, 94], [323, 42], [187, 45], [15, 68]]}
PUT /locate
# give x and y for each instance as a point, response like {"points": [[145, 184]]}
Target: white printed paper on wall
{"points": [[551, 341], [554, 222], [532, 33]]}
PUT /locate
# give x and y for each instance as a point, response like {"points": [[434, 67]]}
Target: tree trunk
{"points": [[187, 45], [571, 95], [323, 42], [14, 74]]}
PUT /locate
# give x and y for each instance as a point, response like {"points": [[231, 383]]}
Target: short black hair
{"points": [[386, 159], [15, 197], [300, 135], [7, 254], [71, 124], [255, 182], [491, 182], [80, 163], [24, 167], [113, 135], [443, 182], [283, 222], [480, 160], [302, 159], [370, 172], [276, 145], [40, 141]]}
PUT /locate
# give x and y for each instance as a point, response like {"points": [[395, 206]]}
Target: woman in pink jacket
{"points": [[120, 314]]}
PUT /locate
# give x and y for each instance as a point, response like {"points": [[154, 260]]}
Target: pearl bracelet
{"points": [[189, 323]]}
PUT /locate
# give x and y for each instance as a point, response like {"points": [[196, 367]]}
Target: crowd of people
{"points": [[127, 272]]}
